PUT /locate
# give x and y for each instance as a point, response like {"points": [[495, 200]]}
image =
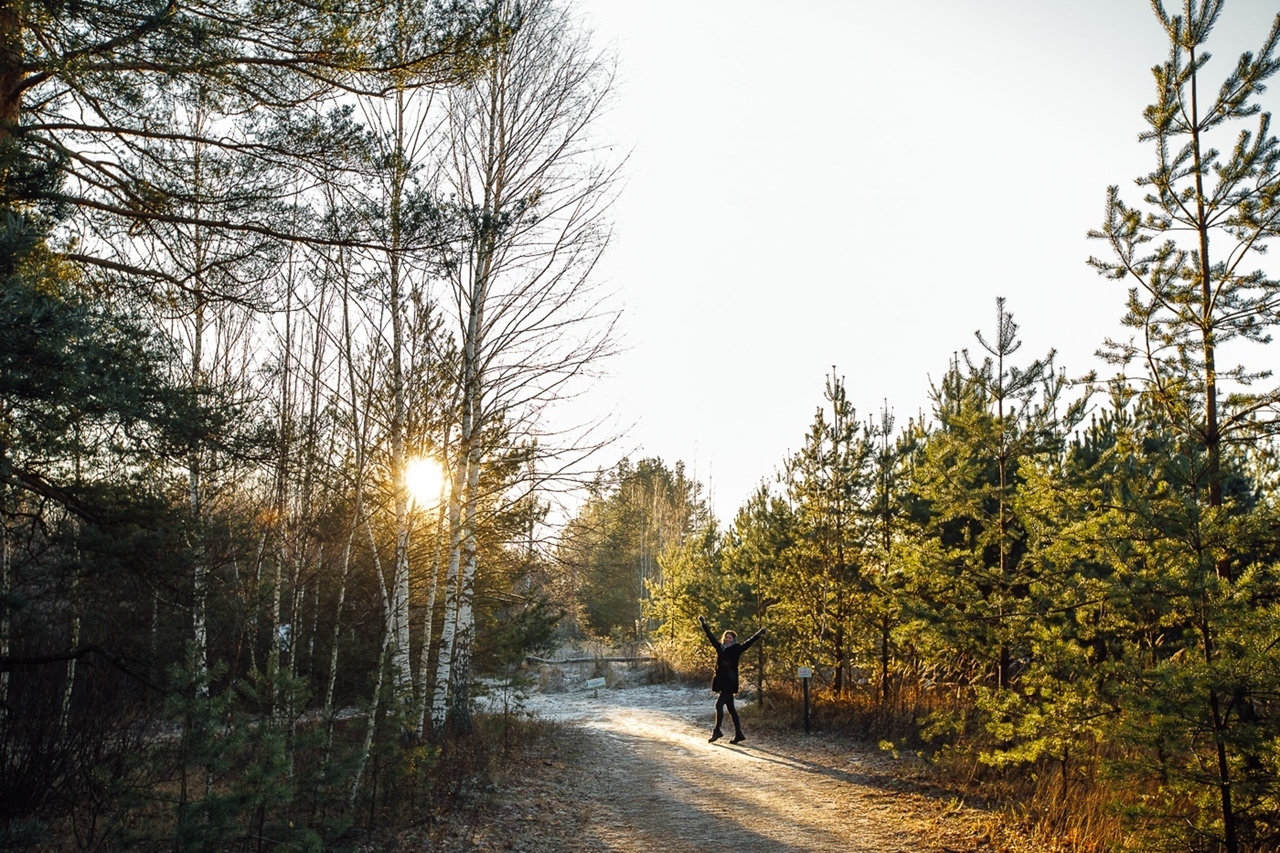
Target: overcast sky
{"points": [[852, 184]]}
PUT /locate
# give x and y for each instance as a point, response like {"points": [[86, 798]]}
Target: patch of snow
{"points": [[583, 704]]}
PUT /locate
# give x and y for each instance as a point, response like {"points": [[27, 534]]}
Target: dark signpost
{"points": [[805, 674]]}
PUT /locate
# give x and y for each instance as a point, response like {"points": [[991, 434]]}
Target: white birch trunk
{"points": [[195, 474], [69, 687], [73, 600], [456, 639], [332, 681], [399, 611], [448, 629], [305, 500], [424, 660], [461, 690]]}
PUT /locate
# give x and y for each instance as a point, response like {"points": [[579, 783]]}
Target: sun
{"points": [[424, 478]]}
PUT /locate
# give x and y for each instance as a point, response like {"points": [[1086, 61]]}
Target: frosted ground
{"points": [[637, 774]]}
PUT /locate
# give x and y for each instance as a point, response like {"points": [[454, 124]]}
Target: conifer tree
{"points": [[757, 549], [1190, 255], [636, 516], [1142, 632], [990, 417], [85, 92], [830, 485], [890, 523]]}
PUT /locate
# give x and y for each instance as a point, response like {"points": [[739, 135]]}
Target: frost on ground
{"points": [[631, 770]]}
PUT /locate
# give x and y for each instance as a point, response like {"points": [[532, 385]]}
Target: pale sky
{"points": [[822, 183]]}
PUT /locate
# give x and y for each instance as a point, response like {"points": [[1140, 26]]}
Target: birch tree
{"points": [[533, 192], [397, 162]]}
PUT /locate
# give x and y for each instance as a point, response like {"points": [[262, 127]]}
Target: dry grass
{"points": [[1027, 807]]}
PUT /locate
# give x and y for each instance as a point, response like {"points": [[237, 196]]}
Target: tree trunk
{"points": [[461, 704], [6, 589], [837, 684], [332, 681], [195, 486], [74, 602], [448, 629], [428, 628], [357, 514], [399, 611], [1213, 450], [366, 748], [12, 76], [884, 660], [274, 619]]}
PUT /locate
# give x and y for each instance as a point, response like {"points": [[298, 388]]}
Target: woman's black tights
{"points": [[726, 701]]}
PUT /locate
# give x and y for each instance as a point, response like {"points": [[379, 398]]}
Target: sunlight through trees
{"points": [[291, 295]]}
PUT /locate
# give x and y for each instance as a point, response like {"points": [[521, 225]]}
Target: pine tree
{"points": [[990, 418], [830, 485], [758, 548], [1186, 253], [1190, 254], [1158, 633], [86, 91]]}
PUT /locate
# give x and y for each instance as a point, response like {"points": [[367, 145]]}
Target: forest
{"points": [[268, 266], [291, 293]]}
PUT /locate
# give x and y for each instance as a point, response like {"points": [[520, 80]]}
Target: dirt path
{"points": [[634, 773]]}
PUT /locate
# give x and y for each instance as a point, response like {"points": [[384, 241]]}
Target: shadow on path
{"points": [[661, 786]]}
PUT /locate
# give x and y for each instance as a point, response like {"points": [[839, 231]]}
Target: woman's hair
{"points": [[728, 635]]}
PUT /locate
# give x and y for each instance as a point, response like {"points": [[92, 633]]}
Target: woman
{"points": [[725, 683]]}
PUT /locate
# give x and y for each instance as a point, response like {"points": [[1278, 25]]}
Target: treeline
{"points": [[1074, 583], [257, 259]]}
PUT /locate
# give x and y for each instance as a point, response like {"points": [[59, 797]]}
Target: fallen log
{"points": [[536, 659]]}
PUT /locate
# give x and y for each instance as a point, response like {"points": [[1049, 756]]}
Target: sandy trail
{"points": [[645, 779]]}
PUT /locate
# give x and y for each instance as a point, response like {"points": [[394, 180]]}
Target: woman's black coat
{"points": [[726, 678]]}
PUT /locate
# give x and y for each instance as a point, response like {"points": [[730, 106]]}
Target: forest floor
{"points": [[631, 771]]}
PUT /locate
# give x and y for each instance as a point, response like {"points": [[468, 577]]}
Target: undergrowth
{"points": [[255, 803]]}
